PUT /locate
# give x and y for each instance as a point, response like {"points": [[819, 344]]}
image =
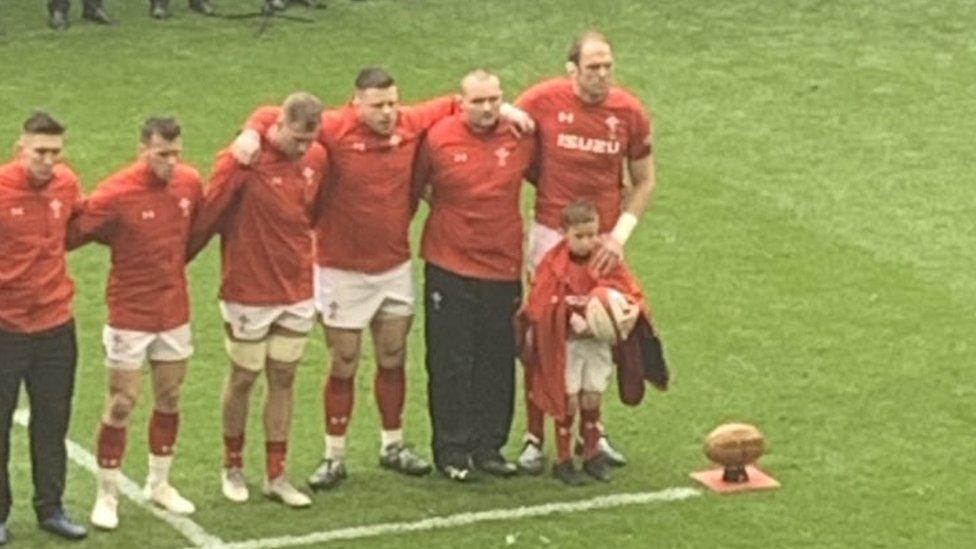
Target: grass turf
{"points": [[807, 252]]}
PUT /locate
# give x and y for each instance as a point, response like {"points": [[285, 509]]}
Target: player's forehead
{"points": [[595, 52], [43, 141], [388, 94], [160, 144], [474, 88], [585, 228]]}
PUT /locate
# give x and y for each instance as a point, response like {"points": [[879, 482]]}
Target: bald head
{"points": [[481, 99]]}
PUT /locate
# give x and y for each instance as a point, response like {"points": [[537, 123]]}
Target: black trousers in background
{"points": [[470, 364], [45, 362]]}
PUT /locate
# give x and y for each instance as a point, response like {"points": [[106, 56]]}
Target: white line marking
{"points": [[184, 525], [464, 519]]}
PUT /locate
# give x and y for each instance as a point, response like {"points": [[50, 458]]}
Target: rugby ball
{"points": [[605, 310], [735, 444]]}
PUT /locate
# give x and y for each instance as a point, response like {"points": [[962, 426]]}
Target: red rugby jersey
{"points": [[146, 223], [35, 288], [264, 216], [475, 225], [582, 148], [364, 219]]}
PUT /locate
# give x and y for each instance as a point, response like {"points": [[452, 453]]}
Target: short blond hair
{"points": [[303, 110]]}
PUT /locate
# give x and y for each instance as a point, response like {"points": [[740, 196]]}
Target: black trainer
{"points": [[329, 474], [567, 473], [203, 7], [496, 465], [94, 12], [598, 467]]}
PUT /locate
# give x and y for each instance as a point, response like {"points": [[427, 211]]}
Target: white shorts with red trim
{"points": [[351, 300], [253, 322], [589, 365], [130, 349]]}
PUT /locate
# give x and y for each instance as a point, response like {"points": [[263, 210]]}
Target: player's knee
{"points": [[286, 348], [281, 377], [241, 380], [343, 362], [590, 400], [392, 356], [247, 355], [168, 398], [120, 407]]}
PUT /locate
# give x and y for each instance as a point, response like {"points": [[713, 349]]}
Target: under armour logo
{"points": [[502, 154], [333, 309], [565, 117], [56, 208], [243, 320], [339, 420], [436, 297], [185, 206], [460, 157], [16, 212], [309, 175], [612, 123], [359, 146], [148, 214], [276, 181]]}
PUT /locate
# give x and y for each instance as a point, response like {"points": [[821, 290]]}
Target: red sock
{"points": [[590, 429], [339, 397], [535, 417], [111, 446], [163, 427], [564, 438], [275, 453], [390, 390], [234, 451]]}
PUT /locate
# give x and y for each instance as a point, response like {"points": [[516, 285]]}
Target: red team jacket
{"points": [[562, 284], [146, 223], [582, 148], [475, 225], [264, 214], [364, 222], [35, 288]]}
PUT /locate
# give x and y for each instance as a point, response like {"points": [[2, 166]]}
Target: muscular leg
{"points": [[339, 390], [390, 342], [279, 403]]}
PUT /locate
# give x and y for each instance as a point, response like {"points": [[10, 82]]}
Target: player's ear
{"points": [[571, 68], [19, 146]]}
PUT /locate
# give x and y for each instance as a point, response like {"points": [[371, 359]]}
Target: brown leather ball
{"points": [[735, 444]]}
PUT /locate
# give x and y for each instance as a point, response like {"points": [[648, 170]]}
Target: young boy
{"points": [[569, 367]]}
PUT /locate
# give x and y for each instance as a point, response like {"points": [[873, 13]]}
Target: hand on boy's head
{"points": [[607, 256]]}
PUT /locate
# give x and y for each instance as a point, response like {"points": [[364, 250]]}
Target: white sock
{"points": [[108, 481], [159, 469], [335, 447], [390, 437]]}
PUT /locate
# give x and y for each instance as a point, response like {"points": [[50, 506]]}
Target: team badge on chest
{"points": [[502, 154]]}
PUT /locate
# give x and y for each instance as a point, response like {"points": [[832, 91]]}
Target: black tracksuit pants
{"points": [[470, 364], [45, 362]]}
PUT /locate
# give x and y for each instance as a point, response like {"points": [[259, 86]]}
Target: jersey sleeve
{"points": [[262, 119], [319, 159], [421, 172], [96, 220], [531, 100], [428, 113], [641, 136], [220, 197]]}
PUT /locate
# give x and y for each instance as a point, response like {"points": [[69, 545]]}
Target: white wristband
{"points": [[624, 227]]}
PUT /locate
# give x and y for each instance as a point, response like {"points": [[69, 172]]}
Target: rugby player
{"points": [[588, 129], [264, 215], [473, 165], [144, 213]]}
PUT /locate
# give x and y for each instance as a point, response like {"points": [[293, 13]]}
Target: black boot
{"points": [[159, 9], [203, 7], [94, 12]]}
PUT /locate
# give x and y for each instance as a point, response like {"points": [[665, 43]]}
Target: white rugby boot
{"points": [[233, 485], [279, 489]]}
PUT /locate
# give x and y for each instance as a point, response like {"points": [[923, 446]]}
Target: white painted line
{"points": [[464, 519], [184, 525]]}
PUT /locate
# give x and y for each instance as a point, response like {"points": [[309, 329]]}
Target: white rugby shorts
{"points": [[589, 365], [253, 322], [130, 349], [350, 299]]}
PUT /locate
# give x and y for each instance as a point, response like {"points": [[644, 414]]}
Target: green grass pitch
{"points": [[809, 253]]}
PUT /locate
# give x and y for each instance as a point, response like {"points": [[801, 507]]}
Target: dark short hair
{"points": [[167, 128], [586, 36], [580, 211], [373, 77], [43, 123], [302, 109]]}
